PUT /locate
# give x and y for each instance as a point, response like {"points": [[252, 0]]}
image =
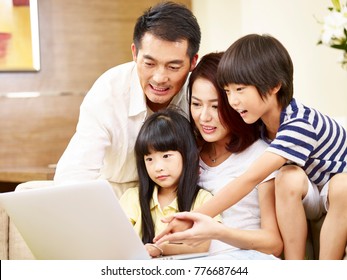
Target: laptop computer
{"points": [[76, 221]]}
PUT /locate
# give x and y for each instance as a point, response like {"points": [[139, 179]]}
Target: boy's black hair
{"points": [[166, 130], [171, 22], [261, 61]]}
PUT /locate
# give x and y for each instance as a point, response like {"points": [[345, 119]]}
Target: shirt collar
{"points": [[137, 103], [181, 98], [155, 202], [292, 107]]}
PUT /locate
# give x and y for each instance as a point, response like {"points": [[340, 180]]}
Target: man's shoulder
{"points": [[114, 83], [125, 69], [131, 193]]}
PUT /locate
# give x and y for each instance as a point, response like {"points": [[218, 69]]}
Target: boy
{"points": [[308, 148]]}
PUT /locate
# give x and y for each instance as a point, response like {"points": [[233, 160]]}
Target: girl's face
{"points": [[204, 110], [164, 168]]}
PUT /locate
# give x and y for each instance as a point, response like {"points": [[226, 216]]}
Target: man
{"points": [[165, 45]]}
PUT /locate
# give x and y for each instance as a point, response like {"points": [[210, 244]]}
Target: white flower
{"points": [[333, 29]]}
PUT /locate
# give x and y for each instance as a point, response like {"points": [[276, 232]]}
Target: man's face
{"points": [[162, 67]]}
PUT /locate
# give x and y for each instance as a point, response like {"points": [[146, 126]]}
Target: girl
{"points": [[167, 161]]}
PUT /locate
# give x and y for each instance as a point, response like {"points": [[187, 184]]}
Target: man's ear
{"points": [[194, 62], [134, 51]]}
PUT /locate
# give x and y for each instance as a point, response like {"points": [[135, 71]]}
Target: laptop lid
{"points": [[77, 221]]}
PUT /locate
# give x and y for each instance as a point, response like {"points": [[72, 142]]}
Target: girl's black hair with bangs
{"points": [[261, 61], [166, 130]]}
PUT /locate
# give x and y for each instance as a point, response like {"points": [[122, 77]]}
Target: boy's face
{"points": [[162, 68], [246, 100]]}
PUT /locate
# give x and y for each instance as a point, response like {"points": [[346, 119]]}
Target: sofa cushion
{"points": [[18, 249], [3, 235]]}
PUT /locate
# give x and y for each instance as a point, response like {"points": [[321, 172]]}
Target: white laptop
{"points": [[76, 221]]}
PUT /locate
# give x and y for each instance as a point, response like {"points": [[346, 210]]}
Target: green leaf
{"points": [[337, 5], [339, 47]]}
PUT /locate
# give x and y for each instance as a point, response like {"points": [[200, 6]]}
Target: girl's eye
{"points": [[215, 106], [166, 155], [148, 159]]}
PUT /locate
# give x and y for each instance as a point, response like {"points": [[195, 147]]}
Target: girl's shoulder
{"points": [[201, 198], [203, 195]]}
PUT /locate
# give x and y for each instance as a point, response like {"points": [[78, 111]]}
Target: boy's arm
{"points": [[235, 190], [230, 194], [267, 238]]}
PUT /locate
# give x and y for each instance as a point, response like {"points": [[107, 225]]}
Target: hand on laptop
{"points": [[154, 250]]}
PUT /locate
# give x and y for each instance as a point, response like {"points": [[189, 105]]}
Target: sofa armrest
{"points": [[18, 249], [4, 233]]}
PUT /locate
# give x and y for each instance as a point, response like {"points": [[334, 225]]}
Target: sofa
{"points": [[35, 130], [13, 247]]}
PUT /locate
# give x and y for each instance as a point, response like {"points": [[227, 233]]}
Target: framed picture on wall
{"points": [[19, 36]]}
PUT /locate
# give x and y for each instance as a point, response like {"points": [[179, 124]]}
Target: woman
{"points": [[228, 146]]}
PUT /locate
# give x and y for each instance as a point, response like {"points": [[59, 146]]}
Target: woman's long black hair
{"points": [[241, 134], [166, 130]]}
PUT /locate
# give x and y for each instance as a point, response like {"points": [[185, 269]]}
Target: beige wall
{"points": [[79, 40], [319, 81]]}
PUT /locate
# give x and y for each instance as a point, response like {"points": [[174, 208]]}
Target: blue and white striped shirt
{"points": [[311, 140]]}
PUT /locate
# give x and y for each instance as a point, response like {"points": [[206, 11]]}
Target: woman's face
{"points": [[204, 110]]}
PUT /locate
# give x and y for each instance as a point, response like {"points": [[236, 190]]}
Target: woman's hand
{"points": [[201, 228]]}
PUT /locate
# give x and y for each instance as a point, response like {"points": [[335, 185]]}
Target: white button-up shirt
{"points": [[111, 116]]}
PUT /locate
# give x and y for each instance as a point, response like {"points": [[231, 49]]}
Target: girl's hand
{"points": [[153, 250], [203, 228]]}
